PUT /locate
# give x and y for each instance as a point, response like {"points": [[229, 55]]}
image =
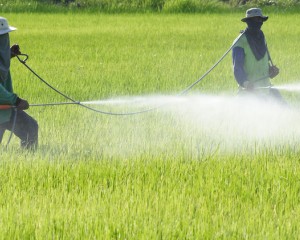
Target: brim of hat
{"points": [[9, 29], [265, 18]]}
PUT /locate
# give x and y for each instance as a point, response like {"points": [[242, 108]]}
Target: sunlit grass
{"points": [[147, 176]]}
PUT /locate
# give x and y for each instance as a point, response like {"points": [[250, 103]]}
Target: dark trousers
{"points": [[273, 95], [26, 128]]}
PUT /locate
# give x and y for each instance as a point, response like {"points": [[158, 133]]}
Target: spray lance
{"points": [[5, 107]]}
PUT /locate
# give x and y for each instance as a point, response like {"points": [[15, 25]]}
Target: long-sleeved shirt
{"points": [[238, 59], [6, 97], [247, 67]]}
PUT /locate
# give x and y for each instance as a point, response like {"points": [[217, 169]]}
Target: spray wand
{"points": [[5, 107]]}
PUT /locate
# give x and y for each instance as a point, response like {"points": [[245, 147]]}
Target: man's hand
{"points": [[15, 50], [248, 85], [22, 104]]}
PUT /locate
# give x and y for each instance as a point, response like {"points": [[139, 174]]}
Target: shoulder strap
{"points": [[270, 59], [242, 32]]}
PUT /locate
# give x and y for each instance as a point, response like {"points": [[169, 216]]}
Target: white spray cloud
{"points": [[197, 124], [237, 123], [292, 87]]}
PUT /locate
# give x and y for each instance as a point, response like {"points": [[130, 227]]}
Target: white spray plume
{"points": [[289, 87], [197, 124]]}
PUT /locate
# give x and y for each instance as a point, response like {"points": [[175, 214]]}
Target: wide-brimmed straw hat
{"points": [[4, 27], [254, 12]]}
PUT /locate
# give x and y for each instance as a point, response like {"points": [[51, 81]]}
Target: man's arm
{"points": [[238, 59], [7, 97]]}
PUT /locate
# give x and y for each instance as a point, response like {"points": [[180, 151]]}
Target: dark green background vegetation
{"points": [[118, 6]]}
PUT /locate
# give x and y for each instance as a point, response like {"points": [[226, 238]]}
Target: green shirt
{"points": [[7, 97], [257, 71]]}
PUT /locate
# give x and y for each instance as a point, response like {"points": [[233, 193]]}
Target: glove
{"points": [[15, 50], [22, 104], [273, 71], [248, 85]]}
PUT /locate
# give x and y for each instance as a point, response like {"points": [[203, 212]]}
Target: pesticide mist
{"points": [[289, 87], [196, 124]]}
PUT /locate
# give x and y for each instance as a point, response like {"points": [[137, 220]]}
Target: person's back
{"points": [[14, 118]]}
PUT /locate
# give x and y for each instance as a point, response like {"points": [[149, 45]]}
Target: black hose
{"points": [[77, 102], [23, 61]]}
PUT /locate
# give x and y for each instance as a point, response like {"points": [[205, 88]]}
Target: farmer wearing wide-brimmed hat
{"points": [[254, 13], [13, 119], [252, 63]]}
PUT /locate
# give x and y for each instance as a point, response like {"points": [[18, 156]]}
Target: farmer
{"points": [[13, 119], [252, 64]]}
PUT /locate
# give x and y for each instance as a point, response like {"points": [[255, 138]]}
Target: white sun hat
{"points": [[4, 27]]}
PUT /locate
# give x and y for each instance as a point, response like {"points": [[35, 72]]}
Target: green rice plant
{"points": [[143, 6], [175, 173]]}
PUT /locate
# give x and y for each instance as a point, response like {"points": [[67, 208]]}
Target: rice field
{"points": [[194, 169]]}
